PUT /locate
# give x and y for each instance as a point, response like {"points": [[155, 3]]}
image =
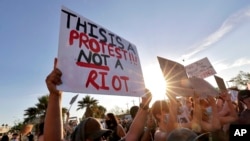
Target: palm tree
{"points": [[98, 111], [31, 114], [42, 106], [87, 102], [38, 111]]}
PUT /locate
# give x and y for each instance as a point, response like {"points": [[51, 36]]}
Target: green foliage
{"points": [[38, 111], [241, 79], [92, 107]]}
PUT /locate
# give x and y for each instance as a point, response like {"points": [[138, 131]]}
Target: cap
{"points": [[243, 94], [94, 130], [89, 128]]}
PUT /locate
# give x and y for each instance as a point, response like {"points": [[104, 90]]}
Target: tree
{"points": [[241, 79], [38, 111], [31, 114], [98, 111], [87, 102]]}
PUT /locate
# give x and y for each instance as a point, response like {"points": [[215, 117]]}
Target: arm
{"points": [[121, 132], [138, 123], [214, 124], [53, 129], [233, 116], [172, 124], [148, 131], [196, 118]]}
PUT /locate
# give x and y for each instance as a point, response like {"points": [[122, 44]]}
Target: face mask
{"points": [[166, 118], [209, 110]]}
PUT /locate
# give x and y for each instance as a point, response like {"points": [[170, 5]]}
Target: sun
{"points": [[154, 81]]}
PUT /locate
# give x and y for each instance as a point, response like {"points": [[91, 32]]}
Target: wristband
{"points": [[144, 107]]}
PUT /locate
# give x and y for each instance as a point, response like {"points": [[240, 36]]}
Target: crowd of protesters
{"points": [[190, 118], [183, 119]]}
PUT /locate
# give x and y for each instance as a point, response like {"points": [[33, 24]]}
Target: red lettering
{"points": [[118, 82], [125, 78], [73, 35], [117, 51], [91, 79], [94, 45], [83, 40], [110, 50], [103, 81]]}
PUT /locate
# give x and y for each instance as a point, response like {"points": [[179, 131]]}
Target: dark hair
{"points": [[41, 127], [133, 111], [242, 94], [113, 121], [182, 134], [5, 138]]}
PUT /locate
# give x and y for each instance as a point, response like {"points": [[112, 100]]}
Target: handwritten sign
{"points": [[95, 60], [200, 69]]}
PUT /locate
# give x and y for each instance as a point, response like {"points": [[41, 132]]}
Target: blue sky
{"points": [[173, 29]]}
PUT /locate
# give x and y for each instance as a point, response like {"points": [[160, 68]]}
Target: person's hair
{"points": [[133, 111], [181, 134], [41, 128], [113, 120], [242, 94], [5, 138], [158, 107]]}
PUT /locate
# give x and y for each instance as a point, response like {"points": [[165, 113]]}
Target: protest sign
{"points": [[174, 74], [95, 60], [234, 95], [220, 83], [179, 84], [201, 87], [73, 99], [201, 69]]}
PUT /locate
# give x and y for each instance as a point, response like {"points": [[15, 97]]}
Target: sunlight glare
{"points": [[155, 82]]}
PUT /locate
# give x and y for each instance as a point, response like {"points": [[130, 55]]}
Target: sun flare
{"points": [[154, 81]]}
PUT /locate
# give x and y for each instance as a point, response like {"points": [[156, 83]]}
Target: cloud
{"points": [[224, 29], [237, 63]]}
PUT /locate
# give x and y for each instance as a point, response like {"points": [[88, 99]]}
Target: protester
{"points": [[30, 136], [40, 136], [133, 110], [88, 130], [5, 137], [138, 124], [165, 116], [14, 137], [150, 128], [244, 106], [182, 134], [117, 130]]}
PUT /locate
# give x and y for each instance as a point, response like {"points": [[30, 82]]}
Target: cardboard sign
{"points": [[200, 69], [201, 87], [220, 83], [95, 60], [174, 74]]}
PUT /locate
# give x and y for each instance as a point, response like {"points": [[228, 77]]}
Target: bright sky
{"points": [[173, 29]]}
